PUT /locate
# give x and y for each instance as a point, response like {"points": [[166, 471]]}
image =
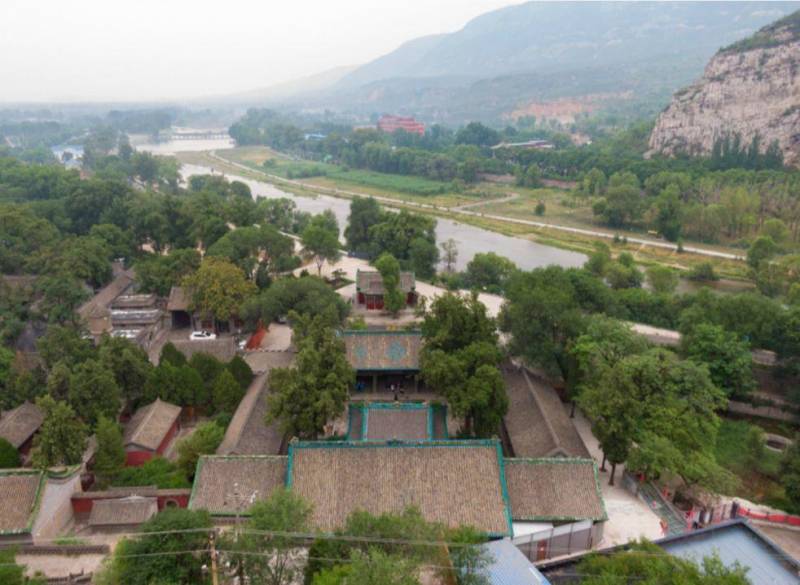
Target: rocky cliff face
{"points": [[750, 88]]}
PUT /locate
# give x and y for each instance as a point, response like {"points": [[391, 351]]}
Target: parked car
{"points": [[202, 335]]}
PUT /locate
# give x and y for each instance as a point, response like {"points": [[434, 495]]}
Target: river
{"points": [[470, 239]]}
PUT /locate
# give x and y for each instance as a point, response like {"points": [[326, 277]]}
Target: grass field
{"points": [[758, 475]]}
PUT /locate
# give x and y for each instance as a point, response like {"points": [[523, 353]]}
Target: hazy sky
{"points": [[168, 49]]}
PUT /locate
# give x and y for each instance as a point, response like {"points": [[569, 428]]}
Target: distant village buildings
{"points": [[390, 124]]}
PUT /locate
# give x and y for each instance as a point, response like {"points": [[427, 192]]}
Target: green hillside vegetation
{"points": [[769, 36]]}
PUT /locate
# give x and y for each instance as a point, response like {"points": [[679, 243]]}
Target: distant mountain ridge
{"points": [[547, 50]]}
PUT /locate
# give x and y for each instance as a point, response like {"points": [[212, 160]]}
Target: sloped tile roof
{"points": [[150, 424], [377, 350], [554, 489], [391, 421], [103, 299], [178, 299], [19, 425], [371, 282], [248, 433], [19, 495], [123, 511], [453, 482], [222, 348], [537, 422], [224, 483]]}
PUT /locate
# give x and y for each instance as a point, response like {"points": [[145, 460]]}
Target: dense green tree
{"points": [[307, 295], [172, 355], [218, 288], [393, 298], [371, 568], [411, 238], [23, 235], [364, 213], [182, 385], [623, 202], [157, 471], [128, 362], [599, 260], [305, 397], [6, 359], [157, 554], [283, 513], [63, 344], [119, 242], [604, 342], [668, 214], [241, 372], [728, 359], [477, 134], [460, 360], [208, 369], [659, 414], [61, 294], [321, 241], [253, 248], [203, 441], [649, 564], [489, 271], [790, 474], [543, 316], [9, 456], [13, 574], [159, 273], [61, 439], [226, 393], [623, 273], [703, 272], [761, 251], [662, 280], [93, 392], [110, 456]]}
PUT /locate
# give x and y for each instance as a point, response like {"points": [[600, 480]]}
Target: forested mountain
{"points": [[517, 60]]}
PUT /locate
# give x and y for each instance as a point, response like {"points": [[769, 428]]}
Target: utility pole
{"points": [[240, 502], [214, 576]]}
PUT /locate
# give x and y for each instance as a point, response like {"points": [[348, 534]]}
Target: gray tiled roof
{"points": [[150, 424], [222, 348], [178, 299], [453, 482], [224, 482], [103, 299], [19, 425], [19, 493], [537, 422], [554, 489], [123, 511], [248, 433]]}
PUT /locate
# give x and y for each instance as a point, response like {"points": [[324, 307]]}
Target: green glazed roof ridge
{"points": [[414, 443], [504, 489]]}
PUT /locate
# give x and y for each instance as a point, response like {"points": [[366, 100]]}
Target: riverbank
{"points": [[467, 209]]}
